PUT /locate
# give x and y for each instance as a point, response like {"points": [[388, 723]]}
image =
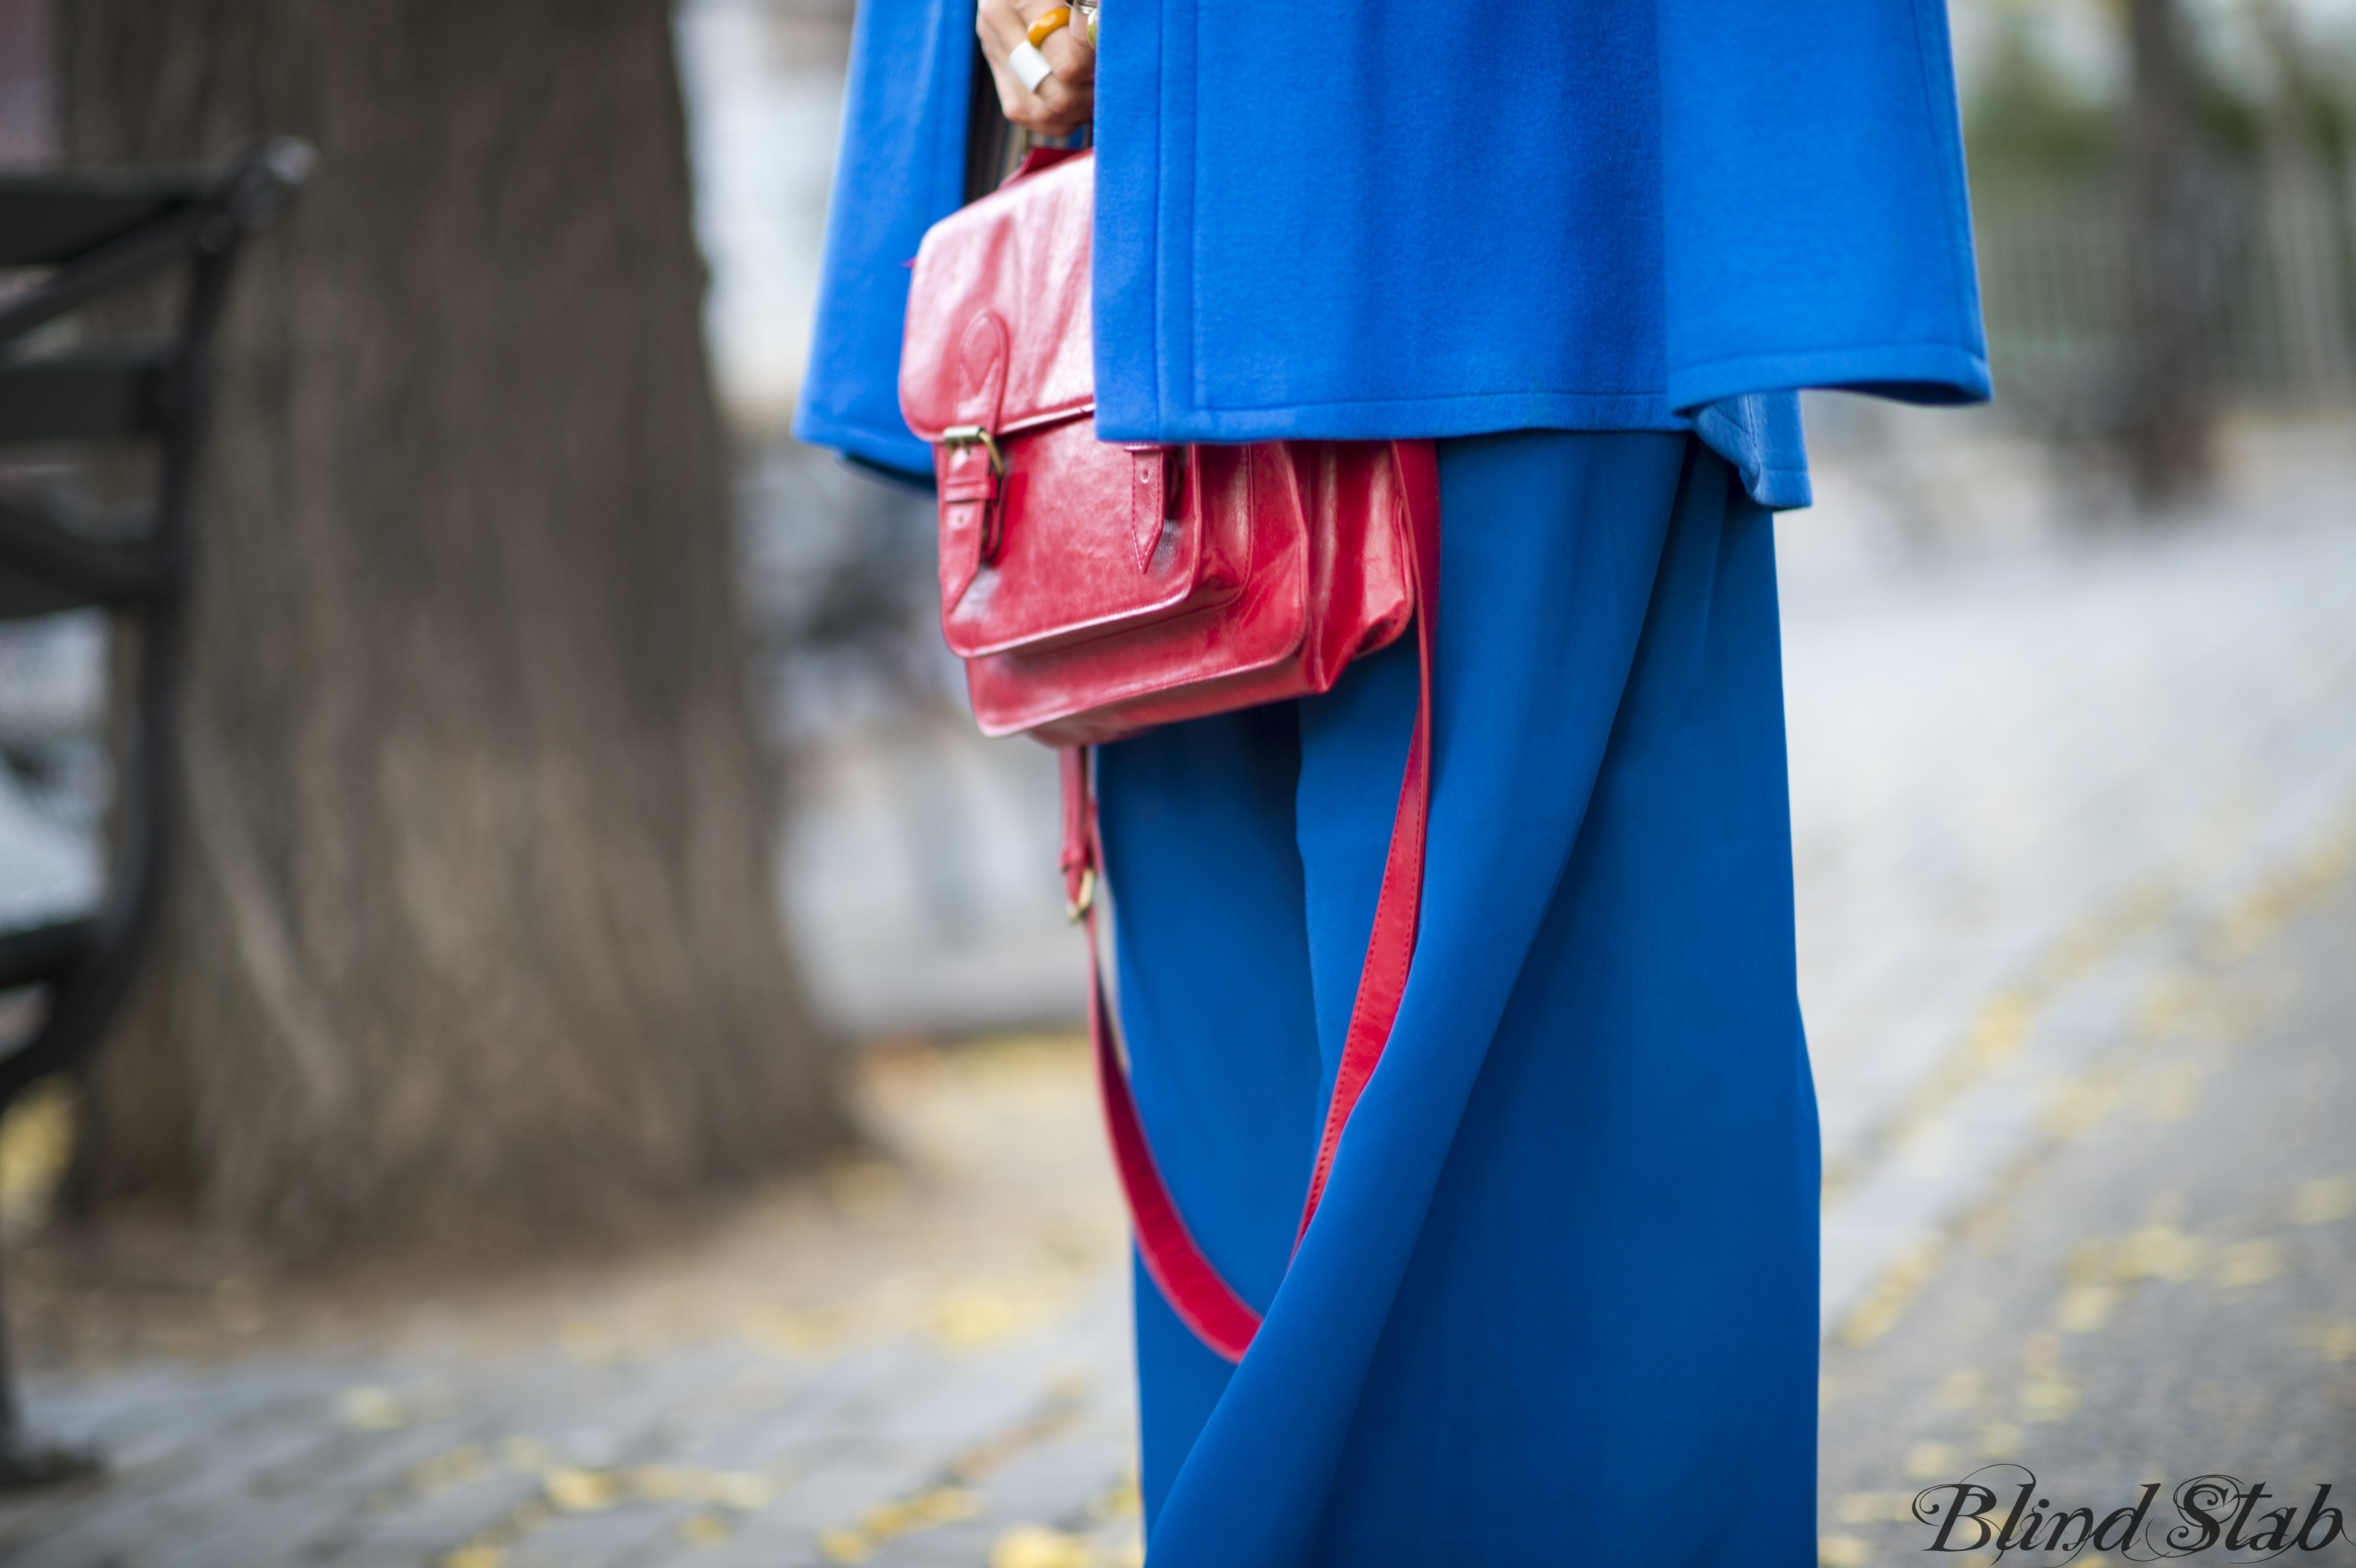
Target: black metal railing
{"points": [[82, 237]]}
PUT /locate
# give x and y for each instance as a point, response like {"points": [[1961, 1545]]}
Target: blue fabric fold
{"points": [[900, 170], [1760, 433], [1558, 1304]]}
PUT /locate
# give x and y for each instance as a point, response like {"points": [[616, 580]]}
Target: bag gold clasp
{"points": [[962, 435]]}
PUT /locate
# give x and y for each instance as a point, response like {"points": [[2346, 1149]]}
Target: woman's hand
{"points": [[1066, 98]]}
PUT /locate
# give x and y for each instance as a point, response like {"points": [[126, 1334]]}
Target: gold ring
{"points": [[1048, 22]]}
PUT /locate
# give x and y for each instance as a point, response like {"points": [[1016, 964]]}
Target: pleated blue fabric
{"points": [[1559, 1303]]}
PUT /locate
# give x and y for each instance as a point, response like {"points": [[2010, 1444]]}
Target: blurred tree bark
{"points": [[474, 936], [2170, 404]]}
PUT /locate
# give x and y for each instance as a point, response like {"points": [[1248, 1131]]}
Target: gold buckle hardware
{"points": [[1078, 907], [959, 435]]}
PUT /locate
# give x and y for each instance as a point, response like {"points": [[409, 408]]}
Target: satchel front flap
{"points": [[1018, 257], [1098, 539]]}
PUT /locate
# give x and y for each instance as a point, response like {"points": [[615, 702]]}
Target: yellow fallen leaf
{"points": [[36, 1142], [1037, 1546], [2165, 1004], [1961, 1389], [2075, 1105], [668, 1484], [746, 1490], [2048, 1399], [1891, 1295], [2160, 1251], [2323, 1201], [1866, 1508], [527, 1455], [2249, 1263], [459, 1466], [946, 1505], [2093, 1261], [1121, 1502], [1930, 1462], [924, 1510], [845, 1546], [477, 1556], [2085, 1307], [371, 1408], [2002, 1026], [1844, 1551], [979, 1315], [581, 1492]]}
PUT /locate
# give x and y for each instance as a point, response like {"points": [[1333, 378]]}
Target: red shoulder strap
{"points": [[1203, 1300]]}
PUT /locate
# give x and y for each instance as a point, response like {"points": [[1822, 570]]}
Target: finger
{"points": [[994, 21], [1065, 98], [1062, 100], [1000, 25], [1067, 53], [1009, 22], [1067, 94], [1013, 102], [1017, 103], [1073, 61]]}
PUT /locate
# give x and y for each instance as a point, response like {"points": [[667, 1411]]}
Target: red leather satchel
{"points": [[1097, 589]]}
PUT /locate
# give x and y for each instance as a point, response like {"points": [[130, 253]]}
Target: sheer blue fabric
{"points": [[1559, 1303]]}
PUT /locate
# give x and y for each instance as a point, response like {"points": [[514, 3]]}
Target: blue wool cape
{"points": [[1337, 219]]}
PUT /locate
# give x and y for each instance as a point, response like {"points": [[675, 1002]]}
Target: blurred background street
{"points": [[2072, 712]]}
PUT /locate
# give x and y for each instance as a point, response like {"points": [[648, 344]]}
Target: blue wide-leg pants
{"points": [[1559, 1303]]}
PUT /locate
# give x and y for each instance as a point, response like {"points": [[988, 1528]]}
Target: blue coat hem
{"points": [[1404, 419], [1768, 453], [1908, 372], [898, 450]]}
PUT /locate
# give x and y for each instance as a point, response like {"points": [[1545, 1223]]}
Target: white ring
{"points": [[1030, 67]]}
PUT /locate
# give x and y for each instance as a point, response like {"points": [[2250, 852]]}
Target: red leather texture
{"points": [[1202, 1299], [1020, 256], [1095, 589]]}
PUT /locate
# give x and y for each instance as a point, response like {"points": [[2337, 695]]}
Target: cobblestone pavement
{"points": [[2161, 1286], [2074, 819], [913, 1362], [2017, 784]]}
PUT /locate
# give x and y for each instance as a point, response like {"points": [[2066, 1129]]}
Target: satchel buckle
{"points": [[963, 436]]}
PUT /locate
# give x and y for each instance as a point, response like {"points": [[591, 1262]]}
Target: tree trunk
{"points": [[474, 936], [2171, 406]]}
